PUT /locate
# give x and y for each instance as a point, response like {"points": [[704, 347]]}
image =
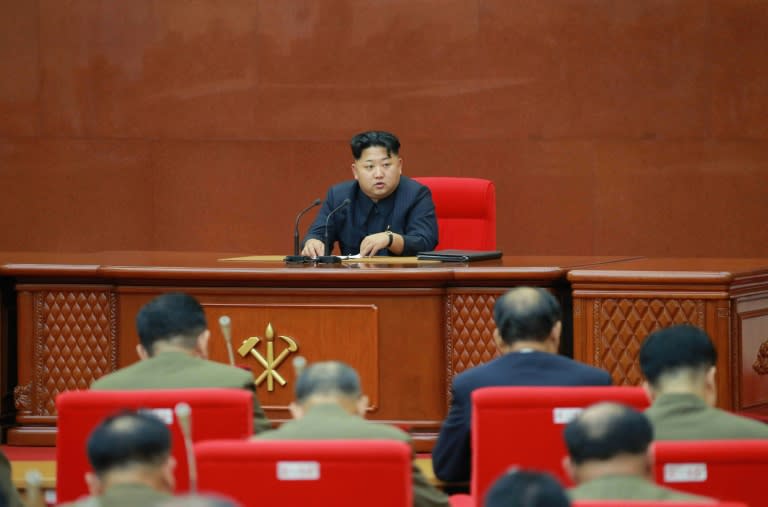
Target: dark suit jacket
{"points": [[331, 422], [408, 211], [451, 457], [179, 370]]}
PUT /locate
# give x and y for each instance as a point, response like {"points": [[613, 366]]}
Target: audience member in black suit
{"points": [[528, 325], [387, 214], [526, 488]]}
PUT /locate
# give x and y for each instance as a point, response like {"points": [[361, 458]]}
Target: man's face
{"points": [[377, 173]]}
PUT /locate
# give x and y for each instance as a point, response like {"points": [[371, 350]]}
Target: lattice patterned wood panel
{"points": [[621, 325], [75, 343], [470, 331]]}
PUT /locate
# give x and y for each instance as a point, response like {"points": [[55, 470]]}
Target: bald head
{"points": [[526, 314], [606, 431], [328, 379]]}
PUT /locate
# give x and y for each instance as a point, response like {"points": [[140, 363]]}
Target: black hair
{"points": [[171, 315], [681, 347], [526, 488], [606, 430], [329, 377], [526, 313], [364, 140], [128, 438]]}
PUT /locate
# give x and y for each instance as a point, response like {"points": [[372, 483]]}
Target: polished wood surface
{"points": [[408, 327], [617, 305]]}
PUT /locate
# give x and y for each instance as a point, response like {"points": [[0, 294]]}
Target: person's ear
{"points": [[554, 335], [142, 352], [95, 488], [296, 410], [361, 405], [497, 339], [202, 343], [710, 386], [648, 390], [354, 170], [168, 478], [570, 470], [399, 165]]}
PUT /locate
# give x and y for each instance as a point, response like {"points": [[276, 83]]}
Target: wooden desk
{"points": [[617, 305], [408, 328]]}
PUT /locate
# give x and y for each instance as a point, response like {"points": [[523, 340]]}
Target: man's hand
{"points": [[313, 248], [373, 243]]}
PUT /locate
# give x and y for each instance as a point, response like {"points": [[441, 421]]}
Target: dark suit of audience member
{"points": [[330, 406], [132, 464], [8, 492], [679, 366], [526, 488], [387, 214], [608, 456], [528, 325], [173, 351]]}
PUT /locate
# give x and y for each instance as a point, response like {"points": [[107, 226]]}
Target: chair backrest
{"points": [[216, 413], [730, 470], [308, 472], [523, 426], [650, 503], [466, 212]]}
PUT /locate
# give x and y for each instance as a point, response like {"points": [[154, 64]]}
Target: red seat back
{"points": [[216, 413], [523, 426], [308, 472], [466, 212], [730, 470]]}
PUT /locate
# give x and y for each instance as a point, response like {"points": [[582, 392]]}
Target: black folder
{"points": [[459, 255]]}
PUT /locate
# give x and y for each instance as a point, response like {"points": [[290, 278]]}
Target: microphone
{"points": [[225, 323], [184, 416], [299, 363], [296, 258], [328, 258]]}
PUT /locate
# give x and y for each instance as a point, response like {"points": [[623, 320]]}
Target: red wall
{"points": [[631, 127]]}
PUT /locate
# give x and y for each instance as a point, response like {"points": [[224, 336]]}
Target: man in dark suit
{"points": [[331, 406], [608, 456], [528, 326], [387, 214], [132, 464], [679, 366], [174, 350]]}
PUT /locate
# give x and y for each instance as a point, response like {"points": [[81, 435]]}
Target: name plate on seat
{"points": [[298, 470], [685, 472], [564, 415]]}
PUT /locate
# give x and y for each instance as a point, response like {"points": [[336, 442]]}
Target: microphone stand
{"points": [[328, 258], [296, 258]]}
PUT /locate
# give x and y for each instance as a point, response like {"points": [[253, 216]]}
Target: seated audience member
{"points": [[174, 349], [330, 406], [609, 459], [9, 495], [679, 366], [132, 464], [528, 325], [526, 488], [386, 214]]}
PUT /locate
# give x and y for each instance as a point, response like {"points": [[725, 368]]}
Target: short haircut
{"points": [[526, 488], [128, 439], [676, 348], [365, 140], [526, 313], [171, 316], [606, 430], [328, 378]]}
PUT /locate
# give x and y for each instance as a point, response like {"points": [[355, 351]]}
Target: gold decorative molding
{"points": [[22, 398], [761, 360], [270, 362]]}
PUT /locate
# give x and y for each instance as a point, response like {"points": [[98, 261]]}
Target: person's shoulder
{"points": [[118, 378], [585, 372], [743, 427], [222, 370]]}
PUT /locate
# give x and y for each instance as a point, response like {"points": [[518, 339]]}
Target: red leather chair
{"points": [[650, 503], [523, 426], [374, 473], [466, 212], [731, 470], [216, 413]]}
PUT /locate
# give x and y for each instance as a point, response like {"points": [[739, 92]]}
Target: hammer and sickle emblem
{"points": [[270, 363]]}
